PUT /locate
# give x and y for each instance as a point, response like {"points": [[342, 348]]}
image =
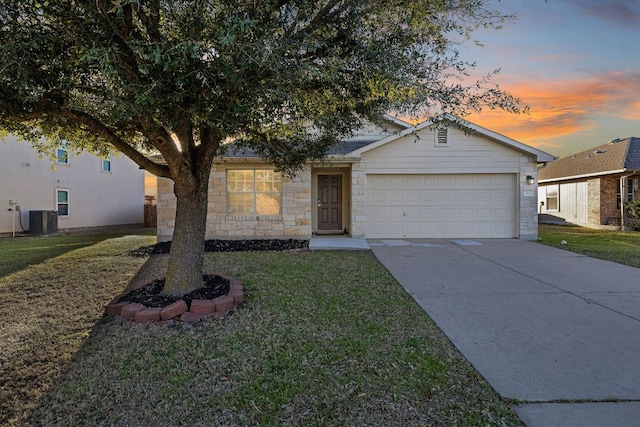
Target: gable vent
{"points": [[442, 136]]}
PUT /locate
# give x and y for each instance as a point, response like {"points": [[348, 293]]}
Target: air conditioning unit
{"points": [[43, 222]]}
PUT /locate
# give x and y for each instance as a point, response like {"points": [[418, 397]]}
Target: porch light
{"points": [[531, 180]]}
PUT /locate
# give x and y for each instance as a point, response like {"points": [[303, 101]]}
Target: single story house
{"points": [[80, 190], [591, 187], [406, 181]]}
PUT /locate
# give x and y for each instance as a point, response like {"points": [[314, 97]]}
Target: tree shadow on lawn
{"points": [[20, 252], [47, 311]]}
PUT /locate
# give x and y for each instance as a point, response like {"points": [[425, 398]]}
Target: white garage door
{"points": [[441, 206]]}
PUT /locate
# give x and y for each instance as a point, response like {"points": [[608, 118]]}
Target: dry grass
{"points": [[47, 311]]}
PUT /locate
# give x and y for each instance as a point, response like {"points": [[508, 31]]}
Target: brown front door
{"points": [[330, 203]]}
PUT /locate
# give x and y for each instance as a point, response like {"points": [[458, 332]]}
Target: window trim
{"points": [[556, 197], [102, 163], [67, 203], [254, 193]]}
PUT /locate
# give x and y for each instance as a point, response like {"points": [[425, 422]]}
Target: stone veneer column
{"points": [[358, 200], [528, 207], [166, 209]]}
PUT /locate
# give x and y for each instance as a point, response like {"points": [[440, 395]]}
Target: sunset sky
{"points": [[575, 63]]}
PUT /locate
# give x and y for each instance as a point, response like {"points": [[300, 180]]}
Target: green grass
{"points": [[618, 246], [17, 253], [324, 338]]}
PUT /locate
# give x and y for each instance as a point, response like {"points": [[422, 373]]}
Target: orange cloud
{"points": [[565, 107]]}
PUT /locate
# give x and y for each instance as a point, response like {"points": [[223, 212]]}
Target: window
{"points": [[62, 202], [253, 192], [106, 165], [62, 153], [632, 186], [441, 137], [552, 197]]}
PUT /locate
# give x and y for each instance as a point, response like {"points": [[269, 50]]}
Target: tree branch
{"points": [[108, 135]]}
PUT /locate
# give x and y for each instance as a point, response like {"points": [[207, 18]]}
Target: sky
{"points": [[575, 63]]}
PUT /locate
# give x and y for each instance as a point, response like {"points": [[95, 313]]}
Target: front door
{"points": [[330, 203]]}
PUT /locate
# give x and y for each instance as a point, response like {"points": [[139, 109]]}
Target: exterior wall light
{"points": [[531, 180]]}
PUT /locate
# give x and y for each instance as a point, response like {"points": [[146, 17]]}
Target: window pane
{"points": [[267, 204], [240, 203], [62, 156], [63, 196], [552, 204], [63, 209], [106, 165], [240, 180], [268, 181]]}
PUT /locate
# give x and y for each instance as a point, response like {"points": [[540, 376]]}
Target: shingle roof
{"points": [[343, 147], [616, 155]]}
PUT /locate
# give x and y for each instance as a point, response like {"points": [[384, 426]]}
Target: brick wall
{"points": [[608, 207]]}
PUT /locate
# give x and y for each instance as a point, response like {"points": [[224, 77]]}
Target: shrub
{"points": [[633, 210]]}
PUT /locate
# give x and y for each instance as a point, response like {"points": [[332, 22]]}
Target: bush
{"points": [[633, 210]]}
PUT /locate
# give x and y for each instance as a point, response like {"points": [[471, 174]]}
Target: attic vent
{"points": [[598, 152], [614, 141], [442, 137]]}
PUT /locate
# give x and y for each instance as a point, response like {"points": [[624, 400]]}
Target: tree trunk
{"points": [[186, 259]]}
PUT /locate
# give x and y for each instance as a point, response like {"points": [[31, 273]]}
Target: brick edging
{"points": [[200, 309]]}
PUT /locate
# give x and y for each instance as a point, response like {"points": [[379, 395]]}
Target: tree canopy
{"points": [[287, 78]]}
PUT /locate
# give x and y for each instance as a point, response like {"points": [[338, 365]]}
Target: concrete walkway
{"points": [[557, 331], [325, 243]]}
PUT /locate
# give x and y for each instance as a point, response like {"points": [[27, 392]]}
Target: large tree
{"points": [[183, 78]]}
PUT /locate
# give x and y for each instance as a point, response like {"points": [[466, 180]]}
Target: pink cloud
{"points": [[561, 108]]}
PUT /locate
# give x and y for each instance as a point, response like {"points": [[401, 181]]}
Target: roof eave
{"points": [[586, 175]]}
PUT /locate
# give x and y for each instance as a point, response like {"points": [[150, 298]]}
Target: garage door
{"points": [[441, 206]]}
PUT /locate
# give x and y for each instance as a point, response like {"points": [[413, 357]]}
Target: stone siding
{"points": [[293, 221], [358, 200], [527, 220], [593, 202]]}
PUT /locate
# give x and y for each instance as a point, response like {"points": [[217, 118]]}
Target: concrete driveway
{"points": [[557, 331]]}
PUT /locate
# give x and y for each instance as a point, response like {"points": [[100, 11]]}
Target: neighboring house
{"points": [[84, 190], [405, 182], [591, 187]]}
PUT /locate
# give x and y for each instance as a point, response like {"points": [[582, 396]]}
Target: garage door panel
{"points": [[437, 206]]}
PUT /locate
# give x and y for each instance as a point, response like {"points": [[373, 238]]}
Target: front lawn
{"points": [[618, 246], [325, 338]]}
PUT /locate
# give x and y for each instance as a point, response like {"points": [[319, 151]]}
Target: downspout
{"points": [[623, 198]]}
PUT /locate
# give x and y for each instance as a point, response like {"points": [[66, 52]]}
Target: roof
{"points": [[617, 156], [342, 148], [541, 156]]}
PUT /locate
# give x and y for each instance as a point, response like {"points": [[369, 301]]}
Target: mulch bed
{"points": [[151, 294], [214, 286], [217, 245]]}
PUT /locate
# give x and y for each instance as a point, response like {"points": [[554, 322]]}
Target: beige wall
{"points": [[95, 198], [408, 155], [294, 221], [463, 154]]}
